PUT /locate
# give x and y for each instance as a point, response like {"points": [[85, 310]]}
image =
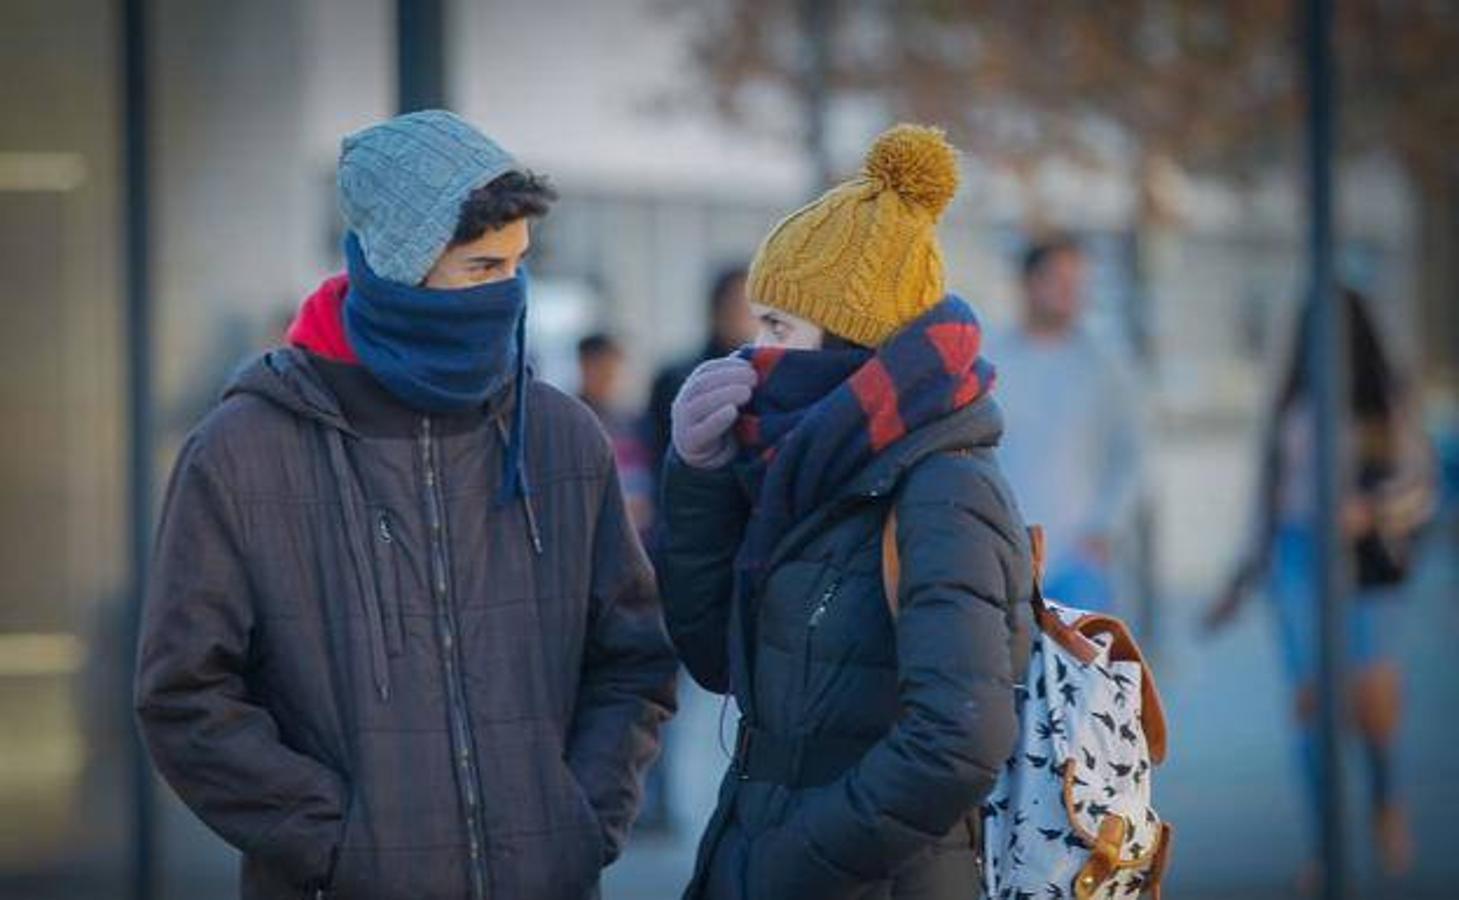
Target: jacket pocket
{"points": [[591, 822], [580, 844], [782, 863], [387, 580], [344, 878]]}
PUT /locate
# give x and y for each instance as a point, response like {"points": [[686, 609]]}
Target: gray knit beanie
{"points": [[401, 186]]}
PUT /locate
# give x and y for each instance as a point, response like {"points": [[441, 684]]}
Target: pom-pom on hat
{"points": [[863, 260]]}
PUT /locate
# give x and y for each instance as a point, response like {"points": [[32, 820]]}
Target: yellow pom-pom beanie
{"points": [[863, 260]]}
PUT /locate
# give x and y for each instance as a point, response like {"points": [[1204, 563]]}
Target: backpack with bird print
{"points": [[1070, 815]]}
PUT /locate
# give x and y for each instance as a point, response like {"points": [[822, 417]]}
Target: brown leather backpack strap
{"points": [[1122, 648], [1156, 878], [1037, 547], [891, 562], [1077, 645]]}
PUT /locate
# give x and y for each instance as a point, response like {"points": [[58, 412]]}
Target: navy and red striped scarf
{"points": [[818, 417]]}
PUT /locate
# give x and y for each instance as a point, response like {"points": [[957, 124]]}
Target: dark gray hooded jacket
{"points": [[378, 680]]}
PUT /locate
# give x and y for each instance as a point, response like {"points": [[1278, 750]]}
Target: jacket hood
{"points": [[979, 424], [284, 378], [319, 324]]}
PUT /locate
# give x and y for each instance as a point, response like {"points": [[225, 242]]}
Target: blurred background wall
{"points": [[671, 161], [62, 516]]}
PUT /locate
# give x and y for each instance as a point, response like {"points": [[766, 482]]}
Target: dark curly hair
{"points": [[513, 196]]}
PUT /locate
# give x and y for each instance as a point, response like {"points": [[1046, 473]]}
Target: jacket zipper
{"points": [[465, 761], [817, 615]]}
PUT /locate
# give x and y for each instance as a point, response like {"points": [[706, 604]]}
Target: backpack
{"points": [[1070, 815]]}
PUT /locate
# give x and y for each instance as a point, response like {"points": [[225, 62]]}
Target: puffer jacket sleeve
{"points": [[218, 748], [626, 691], [965, 567], [704, 514]]}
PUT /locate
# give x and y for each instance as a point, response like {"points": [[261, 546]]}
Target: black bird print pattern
{"points": [[1050, 726], [1082, 756]]}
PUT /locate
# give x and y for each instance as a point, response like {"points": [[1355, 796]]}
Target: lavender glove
{"points": [[704, 413]]}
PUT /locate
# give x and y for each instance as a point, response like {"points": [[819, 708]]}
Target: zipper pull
{"points": [[820, 611], [386, 537]]}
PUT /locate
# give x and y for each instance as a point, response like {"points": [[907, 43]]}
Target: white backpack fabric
{"points": [[1070, 816]]}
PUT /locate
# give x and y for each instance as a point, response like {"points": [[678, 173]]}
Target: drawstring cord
{"points": [[359, 553], [524, 491], [355, 532], [514, 450]]}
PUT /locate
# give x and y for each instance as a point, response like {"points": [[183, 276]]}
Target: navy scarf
{"points": [[443, 351], [818, 417]]}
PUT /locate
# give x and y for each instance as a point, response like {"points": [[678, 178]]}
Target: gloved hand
{"points": [[704, 413]]}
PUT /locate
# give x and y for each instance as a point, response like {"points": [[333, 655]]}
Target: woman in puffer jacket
{"points": [[872, 727]]}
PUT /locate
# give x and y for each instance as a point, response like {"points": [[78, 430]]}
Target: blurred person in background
{"points": [[1389, 498], [600, 374], [867, 742], [401, 640], [1072, 445], [731, 326]]}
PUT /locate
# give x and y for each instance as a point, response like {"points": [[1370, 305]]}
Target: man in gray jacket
{"points": [[401, 640], [1073, 443]]}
